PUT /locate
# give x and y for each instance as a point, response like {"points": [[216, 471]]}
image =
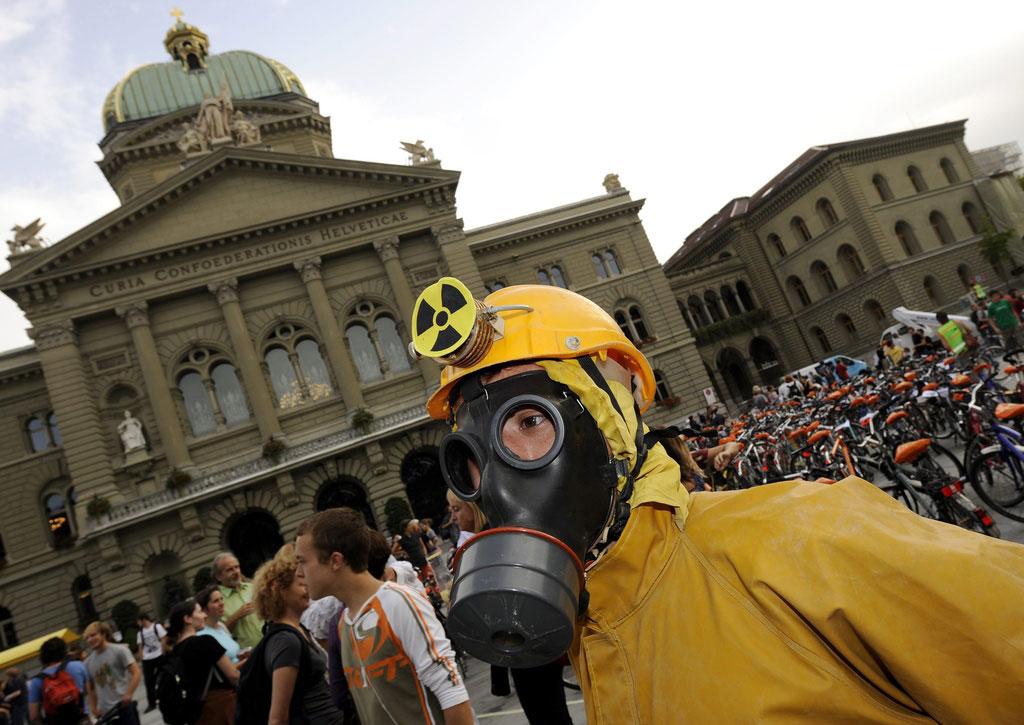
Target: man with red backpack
{"points": [[57, 694]]}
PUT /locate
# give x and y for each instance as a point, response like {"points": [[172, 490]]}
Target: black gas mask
{"points": [[547, 485]]}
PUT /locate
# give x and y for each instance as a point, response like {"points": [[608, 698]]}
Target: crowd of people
{"points": [[322, 634]]}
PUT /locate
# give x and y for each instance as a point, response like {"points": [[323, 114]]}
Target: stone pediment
{"points": [[235, 193]]}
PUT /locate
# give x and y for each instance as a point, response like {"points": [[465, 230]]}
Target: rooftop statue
{"points": [[26, 237], [419, 154]]}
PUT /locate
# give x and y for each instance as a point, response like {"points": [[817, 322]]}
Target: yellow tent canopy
{"points": [[29, 650]]}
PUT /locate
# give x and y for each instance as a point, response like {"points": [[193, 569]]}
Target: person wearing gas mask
{"points": [[801, 601]]}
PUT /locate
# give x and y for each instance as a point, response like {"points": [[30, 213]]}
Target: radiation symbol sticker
{"points": [[443, 318]]}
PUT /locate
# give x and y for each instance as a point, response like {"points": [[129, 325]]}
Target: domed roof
{"points": [[160, 88]]}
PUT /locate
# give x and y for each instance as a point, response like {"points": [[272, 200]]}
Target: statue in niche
{"points": [[214, 119], [245, 132], [130, 430], [26, 238]]}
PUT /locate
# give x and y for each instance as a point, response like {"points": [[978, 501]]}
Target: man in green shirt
{"points": [[1000, 311], [239, 611]]}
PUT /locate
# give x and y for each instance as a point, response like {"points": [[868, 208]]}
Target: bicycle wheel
{"points": [[998, 480], [960, 511]]}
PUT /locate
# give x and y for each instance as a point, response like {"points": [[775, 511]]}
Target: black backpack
{"points": [[178, 706], [255, 686]]}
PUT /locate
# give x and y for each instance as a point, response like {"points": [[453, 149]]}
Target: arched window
{"points": [[963, 272], [661, 389], [494, 285], [941, 228], [631, 321], [907, 238], [822, 339], [950, 171], [606, 263], [58, 504], [746, 299], [882, 187], [296, 367], [395, 352], [344, 491], [686, 315], [196, 400], [38, 438], [799, 227], [81, 593], [845, 323], [970, 213], [797, 289], [827, 213], [931, 289], [711, 302], [732, 306], [8, 635], [917, 179], [211, 394], [376, 342], [775, 242], [697, 311], [851, 262], [552, 275], [724, 255], [229, 393], [874, 310], [826, 281]]}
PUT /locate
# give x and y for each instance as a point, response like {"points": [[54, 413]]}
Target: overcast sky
{"points": [[691, 104]]}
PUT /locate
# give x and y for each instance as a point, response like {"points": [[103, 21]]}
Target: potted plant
{"points": [[362, 420], [273, 448], [176, 478], [99, 506]]}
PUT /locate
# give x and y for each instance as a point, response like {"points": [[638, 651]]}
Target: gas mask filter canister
{"points": [[534, 460]]}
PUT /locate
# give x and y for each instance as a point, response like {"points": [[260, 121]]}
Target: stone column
{"points": [[157, 388], [333, 337], [78, 419], [226, 291], [387, 250], [451, 240]]}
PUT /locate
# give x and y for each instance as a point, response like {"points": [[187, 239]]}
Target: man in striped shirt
{"points": [[398, 662]]}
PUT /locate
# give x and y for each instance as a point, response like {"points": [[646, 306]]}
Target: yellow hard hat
{"points": [[521, 323]]}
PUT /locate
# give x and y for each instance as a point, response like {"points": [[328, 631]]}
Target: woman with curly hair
{"points": [[294, 661]]}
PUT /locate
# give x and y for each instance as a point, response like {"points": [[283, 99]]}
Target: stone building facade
{"points": [[812, 264], [226, 352]]}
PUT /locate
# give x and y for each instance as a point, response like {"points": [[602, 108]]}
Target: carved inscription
{"points": [[281, 247]]}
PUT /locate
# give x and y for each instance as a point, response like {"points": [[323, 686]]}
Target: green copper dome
{"points": [[162, 88]]}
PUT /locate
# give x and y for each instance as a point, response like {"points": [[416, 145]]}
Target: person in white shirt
{"points": [[150, 649]]}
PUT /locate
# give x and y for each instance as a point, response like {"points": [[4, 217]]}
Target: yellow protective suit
{"points": [[794, 602]]}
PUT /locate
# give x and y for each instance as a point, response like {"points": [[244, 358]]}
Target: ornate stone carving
{"points": [[53, 335], [133, 314], [387, 248], [26, 238], [448, 232], [309, 269], [130, 430], [611, 183], [419, 154], [225, 289], [217, 124]]}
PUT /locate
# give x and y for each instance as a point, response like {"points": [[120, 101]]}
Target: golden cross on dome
{"points": [[177, 13]]}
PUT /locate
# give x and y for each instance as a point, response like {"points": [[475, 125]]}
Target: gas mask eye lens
{"points": [[528, 433], [461, 464]]}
